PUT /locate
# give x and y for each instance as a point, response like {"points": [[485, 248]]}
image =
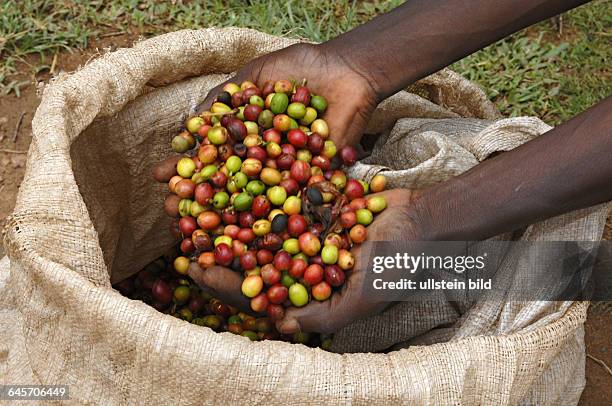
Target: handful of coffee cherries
{"points": [[261, 190]]}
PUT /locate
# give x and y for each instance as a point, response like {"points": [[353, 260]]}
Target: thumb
{"points": [[222, 283]]}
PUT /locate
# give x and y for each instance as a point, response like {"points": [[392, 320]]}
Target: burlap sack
{"points": [[88, 214]]}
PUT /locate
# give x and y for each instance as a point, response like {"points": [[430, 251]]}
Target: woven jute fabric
{"points": [[89, 213]]}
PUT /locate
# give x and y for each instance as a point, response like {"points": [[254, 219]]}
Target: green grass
{"points": [[533, 72], [537, 72]]}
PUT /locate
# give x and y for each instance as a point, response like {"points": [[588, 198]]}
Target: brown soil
{"points": [[12, 166]]}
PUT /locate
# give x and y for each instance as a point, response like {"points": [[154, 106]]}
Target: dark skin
{"points": [[565, 169]]}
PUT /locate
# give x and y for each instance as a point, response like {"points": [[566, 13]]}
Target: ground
{"points": [[540, 71]]}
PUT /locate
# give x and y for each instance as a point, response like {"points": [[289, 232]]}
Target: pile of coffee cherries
{"points": [[159, 285], [261, 190]]}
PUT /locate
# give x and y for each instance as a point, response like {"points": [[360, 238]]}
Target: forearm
{"points": [[568, 168], [422, 36]]}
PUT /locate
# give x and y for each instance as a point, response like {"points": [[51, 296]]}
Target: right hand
{"points": [[350, 94]]}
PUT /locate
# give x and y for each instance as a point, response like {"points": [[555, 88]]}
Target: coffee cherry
{"points": [[290, 185], [221, 238], [231, 88], [246, 235], [314, 196], [329, 254], [237, 99], [300, 171], [283, 86], [209, 220], [353, 189], [187, 225], [218, 135], [257, 100], [270, 275], [161, 292], [282, 122], [206, 260], [225, 98], [296, 110], [248, 260], [282, 261], [279, 103], [298, 295], [223, 254], [321, 291], [313, 274], [376, 204], [277, 195], [181, 294], [319, 103], [251, 286], [297, 138], [291, 245], [270, 177], [261, 206], [348, 155], [364, 216], [253, 131], [297, 225], [271, 242], [301, 95], [195, 209], [193, 124], [267, 88], [321, 162], [293, 205], [304, 155], [261, 227], [236, 129], [279, 223], [247, 94], [264, 257], [334, 275], [251, 112], [309, 243], [259, 304], [277, 293], [285, 161], [243, 202], [185, 167], [180, 144], [251, 167], [358, 233]]}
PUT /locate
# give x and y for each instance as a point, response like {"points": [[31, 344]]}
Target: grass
{"points": [[534, 72]]}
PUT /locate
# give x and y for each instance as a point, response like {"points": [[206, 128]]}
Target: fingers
{"points": [[166, 169], [222, 283], [313, 317]]}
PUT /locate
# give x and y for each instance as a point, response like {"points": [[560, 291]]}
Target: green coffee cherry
{"points": [[279, 103]]}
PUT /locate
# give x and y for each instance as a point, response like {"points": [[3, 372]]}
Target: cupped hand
{"points": [[350, 94], [397, 222]]}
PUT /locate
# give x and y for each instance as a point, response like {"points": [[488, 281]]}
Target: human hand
{"points": [[398, 222], [350, 95]]}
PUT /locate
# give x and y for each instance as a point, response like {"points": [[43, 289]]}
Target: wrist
{"points": [[346, 53], [437, 211]]}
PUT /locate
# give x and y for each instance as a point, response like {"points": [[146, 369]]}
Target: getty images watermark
{"points": [[458, 270], [414, 263]]}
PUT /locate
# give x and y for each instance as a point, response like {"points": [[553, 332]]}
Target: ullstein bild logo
{"points": [[412, 263]]}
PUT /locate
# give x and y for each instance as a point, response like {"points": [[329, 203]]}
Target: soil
{"points": [[598, 389]]}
